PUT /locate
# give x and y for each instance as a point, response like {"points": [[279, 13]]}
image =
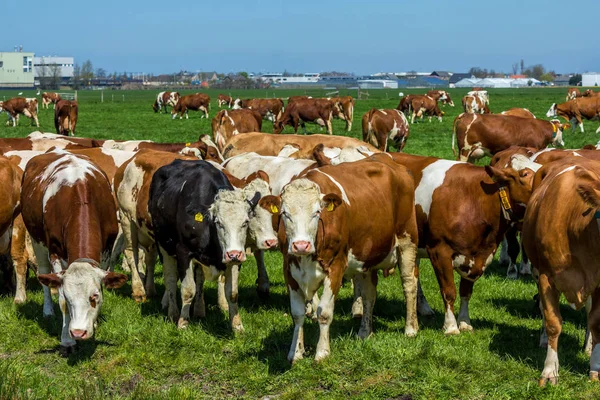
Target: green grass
{"points": [[137, 353]]}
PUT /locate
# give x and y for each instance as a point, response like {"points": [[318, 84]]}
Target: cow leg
{"points": [[325, 317], [423, 307], [137, 284], [412, 117], [128, 258], [525, 264], [594, 327], [588, 343], [44, 267], [18, 254], [170, 278], [35, 118], [232, 275], [357, 305], [188, 289], [150, 255], [303, 126], [466, 290], [510, 252], [329, 127], [444, 273], [199, 310], [117, 249], [368, 287], [262, 280], [297, 309], [553, 321], [221, 300], [409, 274]]}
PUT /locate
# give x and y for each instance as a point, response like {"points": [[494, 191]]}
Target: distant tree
{"points": [[100, 73], [522, 66], [286, 73], [548, 77], [43, 74], [478, 72], [87, 72], [575, 80], [537, 71], [515, 68], [55, 76], [244, 74], [76, 81]]}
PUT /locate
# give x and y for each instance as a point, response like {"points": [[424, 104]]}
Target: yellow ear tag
{"points": [[187, 144], [199, 217], [330, 206], [553, 128], [274, 209]]}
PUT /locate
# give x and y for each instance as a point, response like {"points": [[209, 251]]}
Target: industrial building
{"points": [[590, 79], [16, 70], [43, 65]]}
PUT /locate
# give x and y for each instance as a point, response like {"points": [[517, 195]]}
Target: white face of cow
{"points": [[260, 225], [231, 214], [301, 209], [237, 104], [1, 106], [552, 111]]}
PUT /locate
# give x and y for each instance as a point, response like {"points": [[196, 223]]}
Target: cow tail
{"points": [[454, 136]]}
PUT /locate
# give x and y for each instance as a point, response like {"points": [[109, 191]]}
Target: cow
{"points": [[383, 127], [564, 250], [462, 214], [404, 104], [19, 105], [518, 112], [37, 144], [165, 99], [474, 105], [65, 117], [573, 93], [81, 141], [291, 99], [224, 100], [324, 236], [345, 109], [590, 93], [269, 109], [228, 123], [50, 97], [442, 96], [317, 111], [574, 110], [295, 146], [194, 102], [424, 105], [75, 241], [485, 135], [481, 94]]}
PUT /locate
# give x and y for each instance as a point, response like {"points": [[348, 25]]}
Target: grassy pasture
{"points": [[137, 353]]}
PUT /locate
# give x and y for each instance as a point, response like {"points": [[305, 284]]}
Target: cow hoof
{"points": [[321, 355], [543, 380], [512, 272], [182, 323], [594, 376], [263, 291], [410, 331], [424, 309], [293, 357], [238, 328], [151, 292], [465, 327], [139, 298], [20, 299], [65, 351], [364, 333], [452, 331]]}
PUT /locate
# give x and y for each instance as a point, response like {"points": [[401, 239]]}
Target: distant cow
{"points": [[65, 117], [228, 123], [345, 109], [573, 93], [269, 109], [424, 105], [194, 102], [487, 134], [165, 99], [474, 105], [590, 93], [317, 111], [49, 97], [518, 112], [380, 127], [574, 110], [482, 94], [224, 100], [20, 105], [442, 96]]}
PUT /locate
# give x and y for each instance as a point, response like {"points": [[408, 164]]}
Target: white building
{"points": [[66, 65], [590, 79], [280, 79], [377, 84]]}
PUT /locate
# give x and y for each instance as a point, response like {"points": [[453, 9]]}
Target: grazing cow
{"points": [[228, 123], [345, 109], [518, 112], [481, 94], [269, 109], [573, 93], [291, 99], [424, 105], [463, 212], [49, 97], [474, 105], [224, 100], [485, 135], [381, 127], [324, 237], [165, 99], [20, 105], [564, 250], [317, 111], [65, 117], [75, 241], [194, 102], [404, 104], [574, 110], [590, 93], [442, 96], [295, 146], [193, 207]]}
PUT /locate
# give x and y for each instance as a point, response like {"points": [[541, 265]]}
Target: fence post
{"points": [[76, 95], [123, 98], [102, 96], [113, 97]]}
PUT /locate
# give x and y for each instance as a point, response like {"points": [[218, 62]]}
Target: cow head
{"points": [[209, 149], [263, 222], [237, 104], [519, 182], [155, 106], [552, 111], [301, 206], [588, 93], [558, 128], [278, 125], [81, 286], [446, 98]]}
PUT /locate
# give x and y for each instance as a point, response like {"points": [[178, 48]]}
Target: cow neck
{"points": [[507, 210]]}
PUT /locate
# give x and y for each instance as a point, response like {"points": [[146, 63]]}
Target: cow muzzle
{"points": [[79, 334], [235, 256], [302, 248], [270, 243]]}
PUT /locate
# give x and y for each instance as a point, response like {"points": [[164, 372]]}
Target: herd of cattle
{"points": [[336, 207]]}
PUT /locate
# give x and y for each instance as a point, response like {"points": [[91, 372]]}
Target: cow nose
{"points": [[78, 333], [235, 255], [301, 247], [270, 243]]}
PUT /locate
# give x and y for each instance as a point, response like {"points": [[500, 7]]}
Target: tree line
{"points": [[536, 71]]}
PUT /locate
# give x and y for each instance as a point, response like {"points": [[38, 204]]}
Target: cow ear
{"points": [[113, 280], [260, 174], [254, 200], [50, 280], [498, 175], [331, 201], [271, 203], [588, 187]]}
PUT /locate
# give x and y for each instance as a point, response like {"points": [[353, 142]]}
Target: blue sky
{"points": [[309, 36]]}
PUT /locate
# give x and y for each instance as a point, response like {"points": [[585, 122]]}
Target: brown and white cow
{"points": [[38, 143], [474, 105], [381, 127], [485, 135], [20, 105], [295, 146], [228, 123], [317, 111], [164, 99], [404, 104], [590, 93], [565, 251], [50, 97], [441, 96], [573, 93], [224, 100], [481, 94], [424, 105], [518, 112], [194, 102], [65, 117], [574, 110], [269, 109], [75, 241], [324, 237], [345, 109]]}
